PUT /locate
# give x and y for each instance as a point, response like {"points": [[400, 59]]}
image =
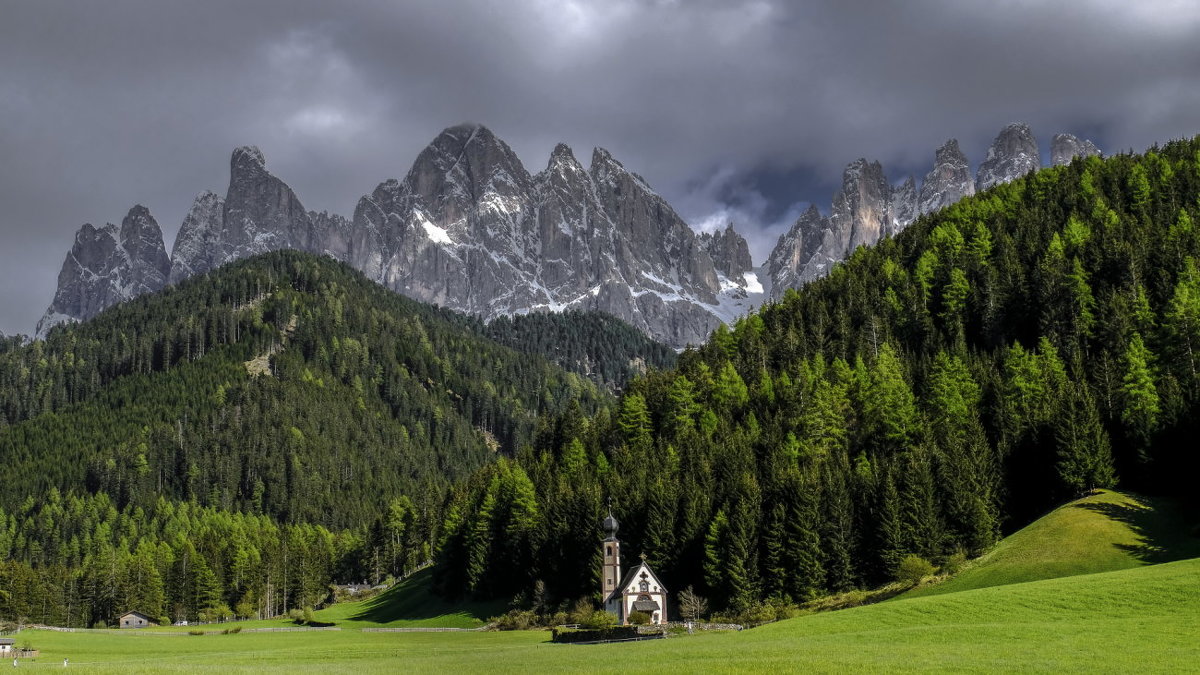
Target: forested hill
{"points": [[286, 385], [606, 349], [998, 357], [235, 444]]}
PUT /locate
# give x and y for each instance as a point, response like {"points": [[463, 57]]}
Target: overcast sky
{"points": [[731, 110]]}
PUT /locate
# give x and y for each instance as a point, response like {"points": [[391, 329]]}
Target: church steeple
{"points": [[610, 571]]}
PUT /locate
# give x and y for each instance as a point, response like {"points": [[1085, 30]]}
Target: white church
{"points": [[638, 591]]}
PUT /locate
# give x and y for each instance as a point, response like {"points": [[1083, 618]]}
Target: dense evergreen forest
{"points": [[286, 385], [1005, 354], [235, 444], [600, 346], [225, 423]]}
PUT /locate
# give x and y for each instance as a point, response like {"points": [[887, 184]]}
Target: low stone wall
{"points": [[614, 634], [424, 630], [700, 625]]}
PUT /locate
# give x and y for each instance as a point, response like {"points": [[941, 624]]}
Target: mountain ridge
{"points": [[469, 227]]}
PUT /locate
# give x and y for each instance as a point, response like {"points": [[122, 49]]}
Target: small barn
{"points": [[135, 620], [6, 645]]}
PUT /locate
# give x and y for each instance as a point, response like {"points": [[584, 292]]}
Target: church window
{"points": [[645, 586], [608, 550]]}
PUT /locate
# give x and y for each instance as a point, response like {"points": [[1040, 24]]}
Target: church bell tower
{"points": [[610, 573]]}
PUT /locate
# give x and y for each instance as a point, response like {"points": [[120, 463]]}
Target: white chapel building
{"points": [[638, 591]]}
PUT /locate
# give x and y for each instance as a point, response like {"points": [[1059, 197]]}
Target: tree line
{"points": [[81, 561]]}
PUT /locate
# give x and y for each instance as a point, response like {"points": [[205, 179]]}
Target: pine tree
{"points": [[1182, 321], [1140, 407], [824, 422], [1084, 458], [806, 574], [890, 408], [837, 528]]}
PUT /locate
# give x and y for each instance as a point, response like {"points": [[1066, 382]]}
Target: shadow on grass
{"points": [[857, 598], [1165, 533], [413, 600]]}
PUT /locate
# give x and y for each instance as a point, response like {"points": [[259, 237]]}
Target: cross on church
{"points": [[643, 556]]}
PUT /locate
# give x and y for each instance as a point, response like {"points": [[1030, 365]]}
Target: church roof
{"points": [[632, 575]]}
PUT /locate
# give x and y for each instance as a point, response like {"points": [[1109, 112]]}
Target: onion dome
{"points": [[610, 525]]}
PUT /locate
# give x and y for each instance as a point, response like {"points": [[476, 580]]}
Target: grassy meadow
{"points": [[1109, 610], [1103, 532], [1142, 619]]}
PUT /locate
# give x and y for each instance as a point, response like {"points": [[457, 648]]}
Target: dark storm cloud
{"points": [[739, 110]]}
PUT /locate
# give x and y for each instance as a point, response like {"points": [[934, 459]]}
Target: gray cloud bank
{"points": [[732, 110]]}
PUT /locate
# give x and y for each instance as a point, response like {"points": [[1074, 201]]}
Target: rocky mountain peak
{"points": [[1065, 147], [469, 229], [460, 166], [796, 257], [729, 252], [562, 153], [108, 265], [247, 158], [142, 240], [195, 246], [1013, 154], [261, 212], [563, 163], [948, 181], [603, 164], [861, 209]]}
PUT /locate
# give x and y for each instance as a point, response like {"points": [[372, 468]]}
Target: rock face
{"points": [[1065, 147], [1013, 154], [197, 244], [798, 256], [861, 212], [108, 265], [729, 252], [905, 204], [865, 209], [468, 227], [949, 181], [260, 213]]}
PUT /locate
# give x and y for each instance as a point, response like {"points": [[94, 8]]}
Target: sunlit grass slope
{"points": [[1102, 532], [1136, 620], [408, 604], [411, 603]]}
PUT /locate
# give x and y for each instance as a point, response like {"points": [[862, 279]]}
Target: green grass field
{"points": [[1143, 620], [995, 616], [1103, 532]]}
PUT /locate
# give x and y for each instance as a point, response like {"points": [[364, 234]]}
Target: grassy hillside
{"points": [[1103, 532], [1143, 619], [408, 604]]}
